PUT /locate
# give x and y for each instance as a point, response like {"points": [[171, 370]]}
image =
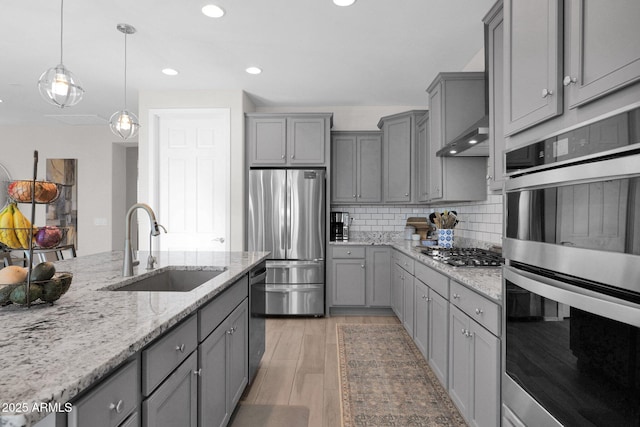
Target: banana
{"points": [[7, 231], [21, 226]]}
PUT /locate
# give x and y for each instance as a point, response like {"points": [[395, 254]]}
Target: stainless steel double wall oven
{"points": [[571, 352]]}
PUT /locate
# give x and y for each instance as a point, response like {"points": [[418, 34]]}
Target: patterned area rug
{"points": [[385, 381]]}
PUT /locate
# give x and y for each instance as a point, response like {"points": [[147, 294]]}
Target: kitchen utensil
{"points": [[408, 231]]}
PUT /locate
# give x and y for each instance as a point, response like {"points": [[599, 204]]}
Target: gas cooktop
{"points": [[465, 257]]}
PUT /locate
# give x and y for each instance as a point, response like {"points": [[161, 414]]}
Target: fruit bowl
{"points": [[46, 237], [45, 191], [42, 291]]}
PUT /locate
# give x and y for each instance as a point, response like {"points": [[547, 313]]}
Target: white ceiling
{"points": [[313, 53]]}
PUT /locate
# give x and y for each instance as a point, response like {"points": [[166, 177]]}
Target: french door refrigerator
{"points": [[287, 217]]}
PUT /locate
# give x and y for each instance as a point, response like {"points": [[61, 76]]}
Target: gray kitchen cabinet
{"points": [[604, 53], [456, 102], [494, 29], [421, 314], [532, 63], [439, 337], [474, 370], [399, 159], [300, 139], [175, 402], [356, 162], [397, 290], [422, 157], [403, 289], [223, 368], [408, 314], [360, 276]]}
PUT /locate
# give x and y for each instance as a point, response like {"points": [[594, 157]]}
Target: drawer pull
{"points": [[180, 348], [468, 334], [232, 330], [463, 332], [198, 372], [456, 296], [479, 311], [116, 406]]}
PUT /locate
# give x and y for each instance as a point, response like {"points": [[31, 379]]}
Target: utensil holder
{"points": [[445, 238]]}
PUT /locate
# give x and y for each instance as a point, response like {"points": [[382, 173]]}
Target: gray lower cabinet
{"points": [[403, 292], [356, 167], [223, 368], [408, 305], [439, 337], [360, 276], [421, 315], [175, 402], [397, 290]]}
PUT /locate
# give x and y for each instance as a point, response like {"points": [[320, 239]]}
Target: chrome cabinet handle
{"points": [[362, 265], [479, 311], [116, 406], [568, 80], [180, 348], [463, 331], [282, 157], [354, 196], [198, 372], [468, 334], [546, 93], [348, 252], [218, 239], [293, 156], [456, 296], [406, 194], [359, 196]]}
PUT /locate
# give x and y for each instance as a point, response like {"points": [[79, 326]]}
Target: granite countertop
{"points": [[486, 281], [50, 353]]}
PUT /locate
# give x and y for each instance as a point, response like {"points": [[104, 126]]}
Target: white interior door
{"points": [[193, 179]]}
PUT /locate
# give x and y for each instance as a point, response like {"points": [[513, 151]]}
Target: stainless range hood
{"points": [[472, 142]]}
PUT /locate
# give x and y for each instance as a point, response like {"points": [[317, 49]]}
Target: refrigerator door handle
{"points": [[288, 207]]}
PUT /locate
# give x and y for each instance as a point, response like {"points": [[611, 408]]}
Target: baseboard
{"points": [[361, 311]]}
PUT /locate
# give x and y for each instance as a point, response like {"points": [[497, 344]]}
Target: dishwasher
{"points": [[257, 304]]}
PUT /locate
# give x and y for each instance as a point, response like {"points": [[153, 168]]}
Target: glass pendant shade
{"points": [[124, 124]]}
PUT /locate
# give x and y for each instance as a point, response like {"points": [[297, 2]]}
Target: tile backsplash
{"points": [[480, 222]]}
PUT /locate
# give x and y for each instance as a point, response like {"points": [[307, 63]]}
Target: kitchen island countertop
{"points": [[485, 280], [51, 353]]}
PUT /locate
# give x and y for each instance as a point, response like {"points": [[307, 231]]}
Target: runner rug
{"points": [[385, 381]]}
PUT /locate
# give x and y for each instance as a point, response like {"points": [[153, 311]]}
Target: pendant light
{"points": [[58, 85], [124, 123]]}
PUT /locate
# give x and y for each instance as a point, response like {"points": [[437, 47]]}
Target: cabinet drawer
{"points": [[212, 314], [436, 281], [405, 261], [163, 356], [479, 308], [111, 401], [348, 252]]}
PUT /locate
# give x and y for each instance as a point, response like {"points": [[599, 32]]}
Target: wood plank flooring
{"points": [[300, 366]]}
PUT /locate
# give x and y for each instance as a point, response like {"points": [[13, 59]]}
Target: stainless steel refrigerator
{"points": [[287, 217]]}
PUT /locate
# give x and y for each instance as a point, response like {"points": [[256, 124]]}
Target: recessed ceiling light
{"points": [[473, 141], [452, 152], [253, 70], [170, 72], [213, 11], [343, 2]]}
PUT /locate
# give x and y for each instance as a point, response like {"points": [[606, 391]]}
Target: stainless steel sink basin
{"points": [[172, 281]]}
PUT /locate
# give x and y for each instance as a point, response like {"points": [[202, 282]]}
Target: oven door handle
{"points": [[583, 299]]}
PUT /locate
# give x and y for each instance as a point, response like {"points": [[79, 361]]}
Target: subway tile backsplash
{"points": [[480, 222]]}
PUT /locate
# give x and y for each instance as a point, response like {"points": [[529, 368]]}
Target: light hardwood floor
{"points": [[300, 366]]}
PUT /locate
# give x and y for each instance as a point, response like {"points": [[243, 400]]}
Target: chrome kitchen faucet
{"points": [[129, 262]]}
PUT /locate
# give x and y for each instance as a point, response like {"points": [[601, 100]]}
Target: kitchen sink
{"points": [[173, 281]]}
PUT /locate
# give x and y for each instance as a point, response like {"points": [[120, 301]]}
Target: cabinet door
{"points": [[496, 110], [267, 141], [422, 151], [306, 139], [349, 282], [421, 314], [409, 297], [343, 169], [604, 56], [533, 63], [460, 340], [369, 170], [485, 381], [378, 277], [397, 290], [439, 337], [238, 341], [397, 161], [434, 143], [213, 398], [175, 402]]}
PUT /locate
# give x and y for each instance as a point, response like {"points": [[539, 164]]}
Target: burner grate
{"points": [[465, 257]]}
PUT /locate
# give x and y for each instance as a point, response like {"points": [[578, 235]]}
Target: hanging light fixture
{"points": [[58, 85], [124, 123]]}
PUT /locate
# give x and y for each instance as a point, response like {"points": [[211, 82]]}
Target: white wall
{"points": [[92, 146], [238, 103]]}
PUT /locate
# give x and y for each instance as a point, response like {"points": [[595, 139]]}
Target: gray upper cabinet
{"points": [[399, 168], [604, 54], [422, 155], [288, 140], [532, 63], [356, 162], [494, 35], [456, 102]]}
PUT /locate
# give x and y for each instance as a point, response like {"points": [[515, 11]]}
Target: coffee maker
{"points": [[339, 231]]}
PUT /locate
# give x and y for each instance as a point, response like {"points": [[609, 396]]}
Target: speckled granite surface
{"points": [[487, 281], [48, 354]]}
